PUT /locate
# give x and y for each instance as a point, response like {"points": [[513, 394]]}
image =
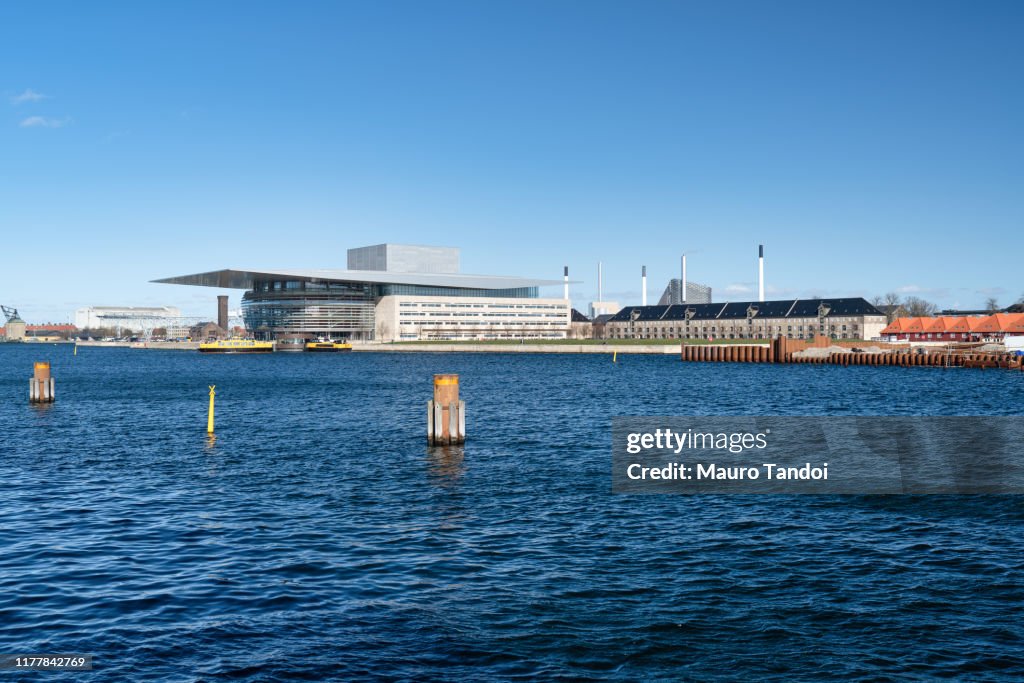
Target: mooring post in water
{"points": [[40, 387], [209, 415], [446, 414]]}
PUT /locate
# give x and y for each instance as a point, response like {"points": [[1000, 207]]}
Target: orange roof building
{"points": [[955, 328]]}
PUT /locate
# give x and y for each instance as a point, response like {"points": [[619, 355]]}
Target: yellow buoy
{"points": [[209, 417]]}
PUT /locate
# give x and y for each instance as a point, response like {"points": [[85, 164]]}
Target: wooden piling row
{"points": [[729, 353], [777, 351]]}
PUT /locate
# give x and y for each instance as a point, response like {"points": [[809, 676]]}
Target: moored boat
{"points": [[236, 346], [328, 346]]}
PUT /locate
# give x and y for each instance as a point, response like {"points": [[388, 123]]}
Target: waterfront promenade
{"points": [[438, 347]]}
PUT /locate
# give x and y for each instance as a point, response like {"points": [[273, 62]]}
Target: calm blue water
{"points": [[319, 538]]}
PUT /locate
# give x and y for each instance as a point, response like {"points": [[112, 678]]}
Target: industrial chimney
{"points": [[643, 286], [222, 312], [682, 283], [566, 290], [600, 281], [760, 272]]}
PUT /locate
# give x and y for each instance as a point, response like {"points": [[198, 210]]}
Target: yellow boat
{"points": [[328, 346], [236, 346]]}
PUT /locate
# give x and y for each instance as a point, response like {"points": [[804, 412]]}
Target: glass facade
{"points": [[278, 309]]}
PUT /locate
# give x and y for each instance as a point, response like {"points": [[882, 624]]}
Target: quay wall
{"points": [[660, 349]]}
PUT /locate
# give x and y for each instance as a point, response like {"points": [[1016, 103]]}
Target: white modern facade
{"points": [[404, 318]]}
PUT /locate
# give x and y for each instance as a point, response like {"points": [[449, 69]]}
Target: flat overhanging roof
{"points": [[245, 279]]}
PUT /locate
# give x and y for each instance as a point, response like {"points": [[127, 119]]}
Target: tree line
{"points": [[896, 306]]}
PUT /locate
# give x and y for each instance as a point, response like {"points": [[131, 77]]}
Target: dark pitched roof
{"points": [[739, 310], [960, 312], [578, 317]]}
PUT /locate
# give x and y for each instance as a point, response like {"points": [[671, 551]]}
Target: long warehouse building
{"points": [[848, 318]]}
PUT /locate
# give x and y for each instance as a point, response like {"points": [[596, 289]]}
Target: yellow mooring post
{"points": [[76, 349], [209, 417], [615, 356]]}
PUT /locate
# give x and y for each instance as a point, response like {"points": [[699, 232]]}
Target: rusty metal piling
{"points": [[40, 387], [446, 414]]}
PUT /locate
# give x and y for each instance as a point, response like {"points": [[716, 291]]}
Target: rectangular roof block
{"points": [[404, 258]]}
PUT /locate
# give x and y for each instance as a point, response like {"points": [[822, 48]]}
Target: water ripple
{"points": [[317, 538]]}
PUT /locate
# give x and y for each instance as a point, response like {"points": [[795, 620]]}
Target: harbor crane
{"points": [[9, 313]]}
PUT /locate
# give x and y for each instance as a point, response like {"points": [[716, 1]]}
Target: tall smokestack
{"points": [[222, 312], [566, 291], [600, 281], [682, 282], [643, 286], [760, 272]]}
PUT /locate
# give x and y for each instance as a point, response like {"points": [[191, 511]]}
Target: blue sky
{"points": [[871, 146]]}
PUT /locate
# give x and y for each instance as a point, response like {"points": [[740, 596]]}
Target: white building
{"points": [[136, 318], [392, 292], [437, 317]]}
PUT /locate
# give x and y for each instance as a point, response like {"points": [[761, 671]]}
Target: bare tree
{"points": [[891, 304], [991, 304], [916, 306]]}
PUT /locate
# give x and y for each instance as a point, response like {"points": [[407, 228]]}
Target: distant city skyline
{"points": [[870, 147]]}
